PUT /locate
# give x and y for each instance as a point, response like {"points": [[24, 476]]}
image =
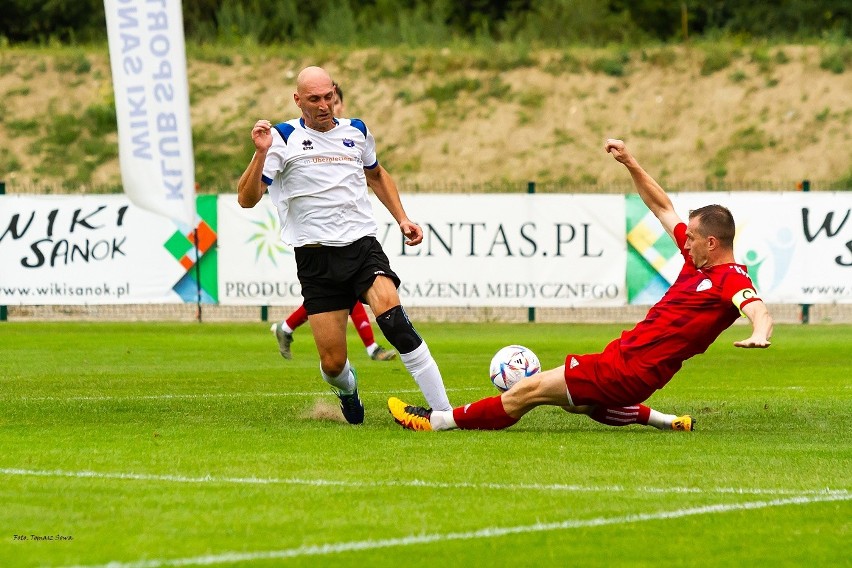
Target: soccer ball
{"points": [[512, 364]]}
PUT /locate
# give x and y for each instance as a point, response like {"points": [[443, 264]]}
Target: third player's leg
{"points": [[361, 321]]}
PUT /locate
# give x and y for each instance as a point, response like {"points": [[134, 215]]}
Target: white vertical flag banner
{"points": [[148, 61]]}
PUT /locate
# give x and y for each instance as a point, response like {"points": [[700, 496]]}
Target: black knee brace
{"points": [[398, 330]]}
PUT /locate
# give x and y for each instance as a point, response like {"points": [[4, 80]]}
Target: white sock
{"points": [[344, 382], [442, 420], [372, 349], [286, 327], [424, 369], [660, 421]]}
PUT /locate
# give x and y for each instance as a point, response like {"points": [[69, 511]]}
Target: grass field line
{"points": [[190, 396], [173, 396], [485, 533], [412, 483]]}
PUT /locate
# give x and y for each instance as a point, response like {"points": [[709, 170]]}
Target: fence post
{"points": [[805, 185], [3, 312], [531, 310], [198, 313]]}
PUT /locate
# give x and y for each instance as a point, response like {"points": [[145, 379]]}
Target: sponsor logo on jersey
{"points": [[704, 285], [348, 143], [574, 363], [307, 144], [378, 272]]}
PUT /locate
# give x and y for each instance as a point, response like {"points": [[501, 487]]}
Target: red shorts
{"points": [[596, 380]]}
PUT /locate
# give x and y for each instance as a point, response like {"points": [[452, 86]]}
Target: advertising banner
{"points": [[797, 246], [478, 250], [516, 250], [255, 267], [68, 250]]}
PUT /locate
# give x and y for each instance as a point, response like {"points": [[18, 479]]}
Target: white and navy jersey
{"points": [[316, 181]]}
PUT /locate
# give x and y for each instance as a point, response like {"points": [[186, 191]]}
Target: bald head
{"points": [[311, 78], [315, 96]]}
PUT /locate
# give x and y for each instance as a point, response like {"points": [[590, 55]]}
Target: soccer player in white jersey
{"points": [[317, 169], [283, 330]]}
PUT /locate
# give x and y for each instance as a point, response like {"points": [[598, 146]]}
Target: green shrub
{"points": [[22, 127], [751, 139], [504, 57], [564, 137], [336, 25], [77, 63], [738, 76], [612, 66], [532, 98], [8, 163], [7, 65], [20, 91], [398, 69], [716, 58], [717, 166], [405, 95], [64, 130], [760, 57], [98, 149], [495, 88], [100, 118], [449, 91], [844, 183], [662, 57], [565, 63], [836, 58]]}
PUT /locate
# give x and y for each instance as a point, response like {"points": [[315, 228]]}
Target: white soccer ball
{"points": [[512, 364]]}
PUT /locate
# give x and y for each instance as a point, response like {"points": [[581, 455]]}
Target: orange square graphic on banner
{"points": [[206, 237]]}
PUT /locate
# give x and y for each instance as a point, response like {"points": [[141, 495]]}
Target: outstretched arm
{"points": [[761, 324], [385, 189], [649, 190], [250, 188]]}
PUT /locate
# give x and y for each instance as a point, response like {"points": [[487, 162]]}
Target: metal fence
{"points": [[627, 315], [621, 187]]}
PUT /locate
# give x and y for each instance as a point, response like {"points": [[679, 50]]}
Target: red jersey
{"points": [[699, 306]]}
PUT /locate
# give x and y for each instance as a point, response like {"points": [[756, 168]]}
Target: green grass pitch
{"points": [[162, 444]]}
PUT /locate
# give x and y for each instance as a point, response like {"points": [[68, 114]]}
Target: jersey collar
{"points": [[306, 127]]}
